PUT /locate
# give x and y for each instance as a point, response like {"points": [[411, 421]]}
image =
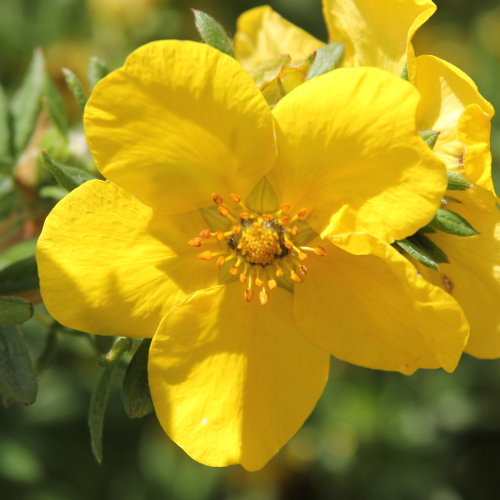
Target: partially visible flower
{"points": [[241, 344], [379, 34]]}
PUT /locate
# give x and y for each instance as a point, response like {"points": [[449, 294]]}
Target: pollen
{"points": [[261, 246]]}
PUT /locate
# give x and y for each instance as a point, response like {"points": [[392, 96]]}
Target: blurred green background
{"points": [[374, 435]]}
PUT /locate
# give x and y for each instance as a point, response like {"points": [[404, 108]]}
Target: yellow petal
{"points": [[374, 310], [452, 105], [349, 152], [108, 266], [263, 34], [376, 33], [473, 276], [232, 381], [179, 121]]}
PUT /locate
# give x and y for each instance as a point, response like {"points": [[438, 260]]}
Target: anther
{"points": [[263, 297], [245, 215], [207, 255], [195, 242], [259, 282], [296, 277], [284, 220], [224, 211], [279, 272], [272, 284], [267, 217], [243, 277], [302, 256], [248, 295], [294, 231], [217, 198], [303, 269], [302, 212], [220, 261], [285, 207], [219, 235], [320, 251], [234, 270], [205, 233], [235, 198]]}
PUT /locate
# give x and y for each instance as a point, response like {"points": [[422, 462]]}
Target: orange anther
{"points": [[284, 220], [294, 231], [257, 224], [219, 235], [224, 211], [234, 270], [195, 242], [320, 251], [235, 198], [302, 256], [272, 284], [205, 233], [263, 297], [259, 282], [217, 198], [279, 272], [245, 215], [207, 255], [303, 269], [248, 294], [302, 212], [296, 277], [243, 277], [285, 207], [220, 261], [288, 244], [236, 229], [267, 217]]}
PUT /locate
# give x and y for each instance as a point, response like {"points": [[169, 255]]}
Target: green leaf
{"points": [[17, 375], [263, 198], [21, 276], [67, 177], [452, 223], [404, 73], [429, 247], [14, 310], [212, 33], [26, 103], [75, 87], [456, 182], [327, 58], [136, 394], [98, 69], [5, 135], [54, 106], [430, 137], [100, 396], [414, 248]]}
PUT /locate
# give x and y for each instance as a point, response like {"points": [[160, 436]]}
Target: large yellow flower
{"points": [[216, 208], [379, 34]]}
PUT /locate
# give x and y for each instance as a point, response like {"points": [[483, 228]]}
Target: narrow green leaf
{"points": [[404, 73], [263, 198], [100, 396], [98, 69], [426, 230], [327, 58], [429, 247], [75, 87], [17, 375], [55, 107], [49, 348], [67, 177], [456, 182], [5, 135], [452, 223], [21, 276], [414, 250], [430, 137], [26, 103], [212, 33], [14, 310], [136, 394]]}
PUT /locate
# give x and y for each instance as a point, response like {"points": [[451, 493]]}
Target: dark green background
{"points": [[374, 435]]}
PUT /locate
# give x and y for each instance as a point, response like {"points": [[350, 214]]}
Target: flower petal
{"points": [[179, 121], [263, 34], [452, 105], [376, 33], [232, 381], [473, 275], [108, 266], [349, 151], [374, 310]]}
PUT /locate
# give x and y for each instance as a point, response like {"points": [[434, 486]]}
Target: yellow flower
{"points": [[379, 34], [200, 169]]}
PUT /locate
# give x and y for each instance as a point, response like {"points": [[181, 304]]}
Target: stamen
{"points": [[263, 297], [205, 233], [221, 260], [195, 242], [303, 212], [207, 255], [217, 198], [279, 272], [272, 284], [297, 278], [235, 198]]}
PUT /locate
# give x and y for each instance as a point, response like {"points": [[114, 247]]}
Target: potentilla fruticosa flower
{"points": [[379, 34], [212, 235]]}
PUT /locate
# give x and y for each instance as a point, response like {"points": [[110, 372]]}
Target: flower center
{"points": [[260, 248]]}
